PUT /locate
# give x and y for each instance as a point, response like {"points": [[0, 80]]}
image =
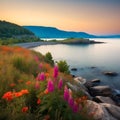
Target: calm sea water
{"points": [[105, 57]]}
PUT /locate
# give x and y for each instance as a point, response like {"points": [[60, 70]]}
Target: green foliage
{"points": [[8, 30], [63, 66], [31, 100], [48, 58]]}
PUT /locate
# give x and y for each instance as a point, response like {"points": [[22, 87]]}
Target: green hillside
{"points": [[8, 30]]}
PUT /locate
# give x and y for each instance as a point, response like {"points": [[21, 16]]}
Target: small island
{"points": [[78, 41]]}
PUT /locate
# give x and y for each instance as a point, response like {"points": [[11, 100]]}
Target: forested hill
{"points": [[8, 30]]}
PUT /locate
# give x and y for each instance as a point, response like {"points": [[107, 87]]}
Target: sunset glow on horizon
{"points": [[91, 16]]}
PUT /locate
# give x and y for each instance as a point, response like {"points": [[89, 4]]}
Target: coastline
{"points": [[35, 44]]}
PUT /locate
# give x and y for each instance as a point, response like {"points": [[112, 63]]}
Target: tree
{"points": [[49, 58], [63, 66]]}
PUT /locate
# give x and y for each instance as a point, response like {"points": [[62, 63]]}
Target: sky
{"points": [[100, 17]]}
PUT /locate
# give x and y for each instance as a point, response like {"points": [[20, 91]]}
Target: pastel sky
{"points": [[92, 16]]}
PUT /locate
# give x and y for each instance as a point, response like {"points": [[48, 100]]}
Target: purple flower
{"points": [[60, 84], [55, 74], [75, 107], [66, 93], [41, 76], [71, 102], [50, 86]]}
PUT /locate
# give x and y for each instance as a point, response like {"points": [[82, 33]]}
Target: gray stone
{"points": [[80, 80], [110, 73], [101, 99], [113, 110], [101, 91]]}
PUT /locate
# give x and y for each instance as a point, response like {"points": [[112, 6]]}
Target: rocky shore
{"points": [[103, 101]]}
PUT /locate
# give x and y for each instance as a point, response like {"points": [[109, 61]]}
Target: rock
{"points": [[98, 111], [116, 96], [101, 99], [101, 91], [93, 67], [95, 81], [110, 73], [92, 83], [113, 110], [80, 88], [74, 69], [80, 80]]}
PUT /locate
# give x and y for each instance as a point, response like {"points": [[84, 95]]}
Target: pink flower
{"points": [[60, 84], [36, 58], [41, 76], [55, 74], [40, 65], [71, 102], [37, 85], [75, 107], [66, 93], [50, 86]]}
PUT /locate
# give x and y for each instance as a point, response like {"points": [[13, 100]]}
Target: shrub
{"points": [[63, 66], [48, 58]]}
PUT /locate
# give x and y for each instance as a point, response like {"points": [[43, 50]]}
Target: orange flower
{"points": [[18, 94], [25, 91], [8, 96], [46, 91], [20, 81], [38, 101], [28, 82], [47, 75], [24, 109], [12, 84]]}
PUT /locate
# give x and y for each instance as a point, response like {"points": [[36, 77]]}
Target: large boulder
{"points": [[92, 83], [101, 99], [113, 110], [98, 111], [101, 91]]}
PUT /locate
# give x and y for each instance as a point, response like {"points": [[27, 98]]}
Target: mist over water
{"points": [[105, 57]]}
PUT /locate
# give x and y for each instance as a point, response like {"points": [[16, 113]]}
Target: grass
{"points": [[29, 88]]}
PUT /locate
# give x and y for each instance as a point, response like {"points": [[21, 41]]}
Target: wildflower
{"points": [[40, 65], [20, 81], [46, 91], [60, 84], [71, 102], [18, 94], [50, 86], [24, 91], [8, 96], [75, 107], [28, 82], [36, 58], [41, 76], [12, 84], [24, 109], [66, 93], [47, 75], [55, 74], [38, 101], [37, 85]]}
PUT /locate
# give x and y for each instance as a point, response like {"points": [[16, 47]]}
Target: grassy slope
{"points": [[19, 68]]}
